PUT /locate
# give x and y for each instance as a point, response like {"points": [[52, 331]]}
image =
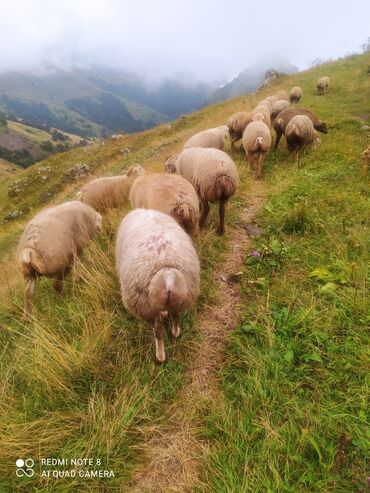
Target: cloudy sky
{"points": [[210, 39]]}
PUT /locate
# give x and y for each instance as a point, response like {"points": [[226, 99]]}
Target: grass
{"points": [[79, 380]]}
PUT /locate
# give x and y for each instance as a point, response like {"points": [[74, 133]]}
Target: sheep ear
{"points": [[130, 171]]}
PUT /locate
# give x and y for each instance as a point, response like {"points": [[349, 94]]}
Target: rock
{"points": [[125, 151], [10, 216], [78, 171], [270, 76], [365, 128]]}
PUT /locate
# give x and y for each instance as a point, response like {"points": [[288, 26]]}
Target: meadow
{"points": [[288, 407]]}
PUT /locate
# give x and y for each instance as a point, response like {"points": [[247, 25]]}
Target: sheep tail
{"points": [[225, 186], [30, 262], [167, 290], [184, 214]]}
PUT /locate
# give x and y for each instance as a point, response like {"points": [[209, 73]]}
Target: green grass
{"points": [[80, 381]]}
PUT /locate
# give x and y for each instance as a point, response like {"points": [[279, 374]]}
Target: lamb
{"points": [[236, 124], [300, 132], [265, 112], [158, 270], [285, 116], [170, 194], [109, 192], [212, 173], [213, 137], [282, 95], [322, 85], [295, 94], [257, 141], [51, 242], [277, 107]]}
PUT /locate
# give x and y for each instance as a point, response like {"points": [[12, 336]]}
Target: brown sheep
{"points": [[322, 85], [295, 94], [277, 107], [236, 124], [51, 242], [300, 132], [170, 194], [257, 141], [285, 116]]}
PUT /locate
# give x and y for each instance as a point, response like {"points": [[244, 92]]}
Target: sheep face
{"points": [[170, 166], [135, 170]]}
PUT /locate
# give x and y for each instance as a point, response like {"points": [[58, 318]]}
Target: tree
{"points": [[366, 46]]}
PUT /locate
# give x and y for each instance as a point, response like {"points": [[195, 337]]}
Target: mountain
{"points": [[251, 78], [95, 102]]}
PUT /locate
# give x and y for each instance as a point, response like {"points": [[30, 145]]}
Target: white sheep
{"points": [[51, 242], [171, 194], [265, 112], [282, 95], [109, 192], [158, 270], [277, 107], [257, 142], [295, 94], [213, 137], [322, 85], [236, 124], [300, 132], [212, 173]]}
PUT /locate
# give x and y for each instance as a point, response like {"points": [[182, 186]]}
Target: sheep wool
{"points": [[171, 194], [51, 241], [299, 132], [213, 137], [257, 142], [158, 270]]}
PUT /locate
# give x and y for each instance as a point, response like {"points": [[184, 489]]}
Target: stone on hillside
{"points": [[78, 171]]}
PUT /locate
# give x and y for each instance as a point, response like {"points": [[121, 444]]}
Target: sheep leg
{"points": [[159, 344], [221, 210], [29, 292], [175, 329], [277, 140], [204, 214], [259, 166], [58, 284]]}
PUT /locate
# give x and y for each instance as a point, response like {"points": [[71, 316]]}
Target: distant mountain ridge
{"points": [[97, 101], [251, 78]]}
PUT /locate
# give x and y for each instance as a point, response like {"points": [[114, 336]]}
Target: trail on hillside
{"points": [[175, 453]]}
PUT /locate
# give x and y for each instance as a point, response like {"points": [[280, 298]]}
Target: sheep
{"points": [[277, 107], [282, 95], [236, 124], [257, 141], [158, 270], [266, 102], [285, 116], [171, 194], [109, 192], [300, 132], [213, 137], [366, 159], [271, 99], [212, 173], [295, 94], [265, 112], [322, 85], [51, 242]]}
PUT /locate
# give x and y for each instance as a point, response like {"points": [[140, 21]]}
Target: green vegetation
{"points": [[79, 380]]}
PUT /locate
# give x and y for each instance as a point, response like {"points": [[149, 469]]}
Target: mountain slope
{"points": [[96, 101], [289, 408]]}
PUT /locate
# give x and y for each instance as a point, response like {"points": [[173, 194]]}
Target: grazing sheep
{"points": [[366, 159], [322, 85], [265, 112], [212, 173], [158, 270], [277, 107], [213, 137], [266, 102], [282, 95], [300, 132], [236, 124], [257, 141], [295, 94], [271, 99], [285, 116], [171, 194], [51, 242], [109, 192]]}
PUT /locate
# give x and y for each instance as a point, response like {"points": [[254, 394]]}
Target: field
{"points": [[266, 389]]}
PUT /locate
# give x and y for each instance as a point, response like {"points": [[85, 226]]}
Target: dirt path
{"points": [[174, 454]]}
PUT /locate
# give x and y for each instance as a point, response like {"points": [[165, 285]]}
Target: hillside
{"points": [[24, 145], [97, 101], [251, 78], [266, 388]]}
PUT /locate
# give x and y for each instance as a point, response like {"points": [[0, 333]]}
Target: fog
{"points": [[208, 40]]}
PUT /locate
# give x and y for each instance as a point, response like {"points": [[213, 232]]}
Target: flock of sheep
{"points": [[156, 263]]}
